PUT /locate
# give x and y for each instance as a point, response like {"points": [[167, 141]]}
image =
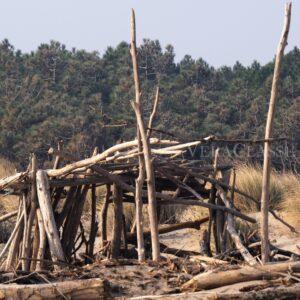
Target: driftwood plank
{"points": [[48, 216], [77, 289], [210, 280]]}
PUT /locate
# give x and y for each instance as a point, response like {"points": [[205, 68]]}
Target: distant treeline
{"points": [[80, 97]]}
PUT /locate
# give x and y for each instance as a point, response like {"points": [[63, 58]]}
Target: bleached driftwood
{"points": [[265, 195], [76, 289], [44, 199], [233, 233], [210, 280]]}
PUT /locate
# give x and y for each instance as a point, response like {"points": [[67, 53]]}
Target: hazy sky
{"points": [[219, 31]]}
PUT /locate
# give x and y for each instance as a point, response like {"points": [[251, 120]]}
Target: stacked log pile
{"points": [[145, 171], [49, 219], [49, 231]]}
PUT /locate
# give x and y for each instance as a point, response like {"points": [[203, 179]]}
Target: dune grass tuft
{"points": [[249, 180]]}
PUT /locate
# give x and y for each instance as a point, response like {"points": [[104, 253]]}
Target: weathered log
{"points": [[210, 280], [265, 195], [271, 292], [186, 145], [12, 179], [77, 289], [48, 216], [95, 159]]}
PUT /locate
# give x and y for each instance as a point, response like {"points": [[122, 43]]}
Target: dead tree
{"points": [[152, 205], [141, 177], [265, 196]]}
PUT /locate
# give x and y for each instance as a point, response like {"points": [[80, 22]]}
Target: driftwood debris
{"points": [[178, 181], [210, 280], [51, 231], [76, 289]]}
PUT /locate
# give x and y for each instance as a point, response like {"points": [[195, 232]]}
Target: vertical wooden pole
{"points": [[118, 221], [42, 241], [94, 223], [141, 176], [152, 116], [152, 206], [265, 248], [12, 244], [33, 205], [212, 214], [103, 226]]}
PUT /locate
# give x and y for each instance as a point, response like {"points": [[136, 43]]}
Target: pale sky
{"points": [[219, 31]]}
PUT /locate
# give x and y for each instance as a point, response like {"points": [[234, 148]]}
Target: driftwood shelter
{"points": [[48, 234]]}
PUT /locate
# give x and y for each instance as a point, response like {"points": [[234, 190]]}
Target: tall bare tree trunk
{"points": [[141, 177], [265, 249], [152, 206]]}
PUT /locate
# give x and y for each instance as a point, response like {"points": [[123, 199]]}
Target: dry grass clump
{"points": [[285, 192], [291, 203], [249, 180], [7, 203], [7, 168]]}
